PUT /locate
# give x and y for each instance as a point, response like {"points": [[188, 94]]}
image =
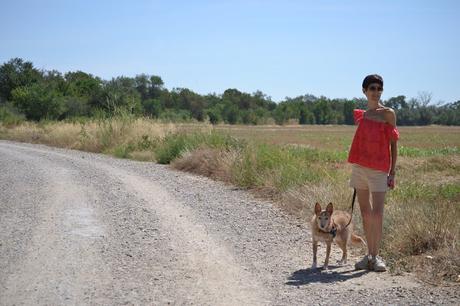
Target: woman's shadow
{"points": [[319, 275]]}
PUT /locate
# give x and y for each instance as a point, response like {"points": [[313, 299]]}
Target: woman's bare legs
{"points": [[378, 201], [366, 214], [372, 216]]}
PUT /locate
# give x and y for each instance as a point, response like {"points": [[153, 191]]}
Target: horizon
{"points": [[281, 49]]}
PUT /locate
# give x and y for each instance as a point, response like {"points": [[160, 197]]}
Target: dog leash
{"points": [[352, 206], [333, 231]]}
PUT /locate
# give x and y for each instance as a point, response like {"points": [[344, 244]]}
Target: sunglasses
{"points": [[375, 88]]}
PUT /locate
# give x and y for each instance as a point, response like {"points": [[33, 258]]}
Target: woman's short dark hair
{"points": [[372, 78]]}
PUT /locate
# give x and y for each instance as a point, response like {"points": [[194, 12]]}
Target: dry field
{"points": [[338, 137]]}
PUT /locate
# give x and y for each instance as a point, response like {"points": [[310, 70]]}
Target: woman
{"points": [[373, 156]]}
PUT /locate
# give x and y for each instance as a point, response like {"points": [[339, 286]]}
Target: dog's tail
{"points": [[357, 239]]}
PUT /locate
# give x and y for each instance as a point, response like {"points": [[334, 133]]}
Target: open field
{"points": [[338, 137], [297, 166]]}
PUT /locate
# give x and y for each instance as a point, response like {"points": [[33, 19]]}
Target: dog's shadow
{"points": [[319, 275]]}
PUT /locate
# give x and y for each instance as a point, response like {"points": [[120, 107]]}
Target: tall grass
{"points": [[112, 135], [174, 145], [280, 168]]}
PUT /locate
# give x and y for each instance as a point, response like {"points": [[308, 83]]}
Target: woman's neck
{"points": [[373, 105]]}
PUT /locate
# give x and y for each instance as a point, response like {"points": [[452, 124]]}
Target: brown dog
{"points": [[329, 225]]}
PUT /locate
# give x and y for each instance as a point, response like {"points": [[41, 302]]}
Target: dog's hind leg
{"points": [[343, 245]]}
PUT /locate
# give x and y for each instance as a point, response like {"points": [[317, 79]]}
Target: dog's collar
{"points": [[333, 230]]}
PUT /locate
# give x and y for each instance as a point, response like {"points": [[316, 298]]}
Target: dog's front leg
{"points": [[315, 249], [328, 252]]}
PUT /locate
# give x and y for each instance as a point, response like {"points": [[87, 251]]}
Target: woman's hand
{"points": [[391, 181]]}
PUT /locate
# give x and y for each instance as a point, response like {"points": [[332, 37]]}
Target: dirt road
{"points": [[82, 228]]}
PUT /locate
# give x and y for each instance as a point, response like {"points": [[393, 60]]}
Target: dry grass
{"points": [[91, 136], [213, 163]]}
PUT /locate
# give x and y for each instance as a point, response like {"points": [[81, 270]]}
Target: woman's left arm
{"points": [[390, 117]]}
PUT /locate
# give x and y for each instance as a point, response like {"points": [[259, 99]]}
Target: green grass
{"points": [[423, 191], [418, 152], [283, 167]]}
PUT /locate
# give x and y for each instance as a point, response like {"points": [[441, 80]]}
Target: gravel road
{"points": [[82, 228]]}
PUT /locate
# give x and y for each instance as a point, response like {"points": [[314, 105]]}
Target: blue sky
{"points": [[283, 48]]}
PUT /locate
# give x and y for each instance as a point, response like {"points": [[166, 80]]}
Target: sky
{"points": [[282, 48]]}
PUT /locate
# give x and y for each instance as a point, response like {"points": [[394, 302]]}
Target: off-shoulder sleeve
{"points": [[358, 115]]}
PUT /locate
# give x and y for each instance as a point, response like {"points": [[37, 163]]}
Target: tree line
{"points": [[41, 94]]}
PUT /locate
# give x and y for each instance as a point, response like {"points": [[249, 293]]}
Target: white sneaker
{"points": [[378, 264], [363, 264]]}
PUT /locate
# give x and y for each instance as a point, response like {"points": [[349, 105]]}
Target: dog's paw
{"points": [[342, 262], [326, 268], [313, 266]]}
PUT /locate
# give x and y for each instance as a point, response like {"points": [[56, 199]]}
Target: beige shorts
{"points": [[369, 179]]}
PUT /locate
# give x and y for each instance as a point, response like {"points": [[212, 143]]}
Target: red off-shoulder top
{"points": [[371, 144]]}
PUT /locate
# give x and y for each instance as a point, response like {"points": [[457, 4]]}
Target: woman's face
{"points": [[373, 92]]}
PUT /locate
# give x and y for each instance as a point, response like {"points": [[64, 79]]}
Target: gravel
{"points": [[83, 228]]}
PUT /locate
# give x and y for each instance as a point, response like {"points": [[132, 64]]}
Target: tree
{"points": [[397, 103], [156, 87], [425, 111], [143, 85], [424, 98], [280, 114], [152, 107], [322, 111], [306, 117], [449, 114], [348, 108], [81, 84], [16, 73], [231, 114], [121, 92], [214, 114]]}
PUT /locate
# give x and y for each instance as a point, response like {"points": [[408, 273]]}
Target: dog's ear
{"points": [[317, 208], [330, 208]]}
